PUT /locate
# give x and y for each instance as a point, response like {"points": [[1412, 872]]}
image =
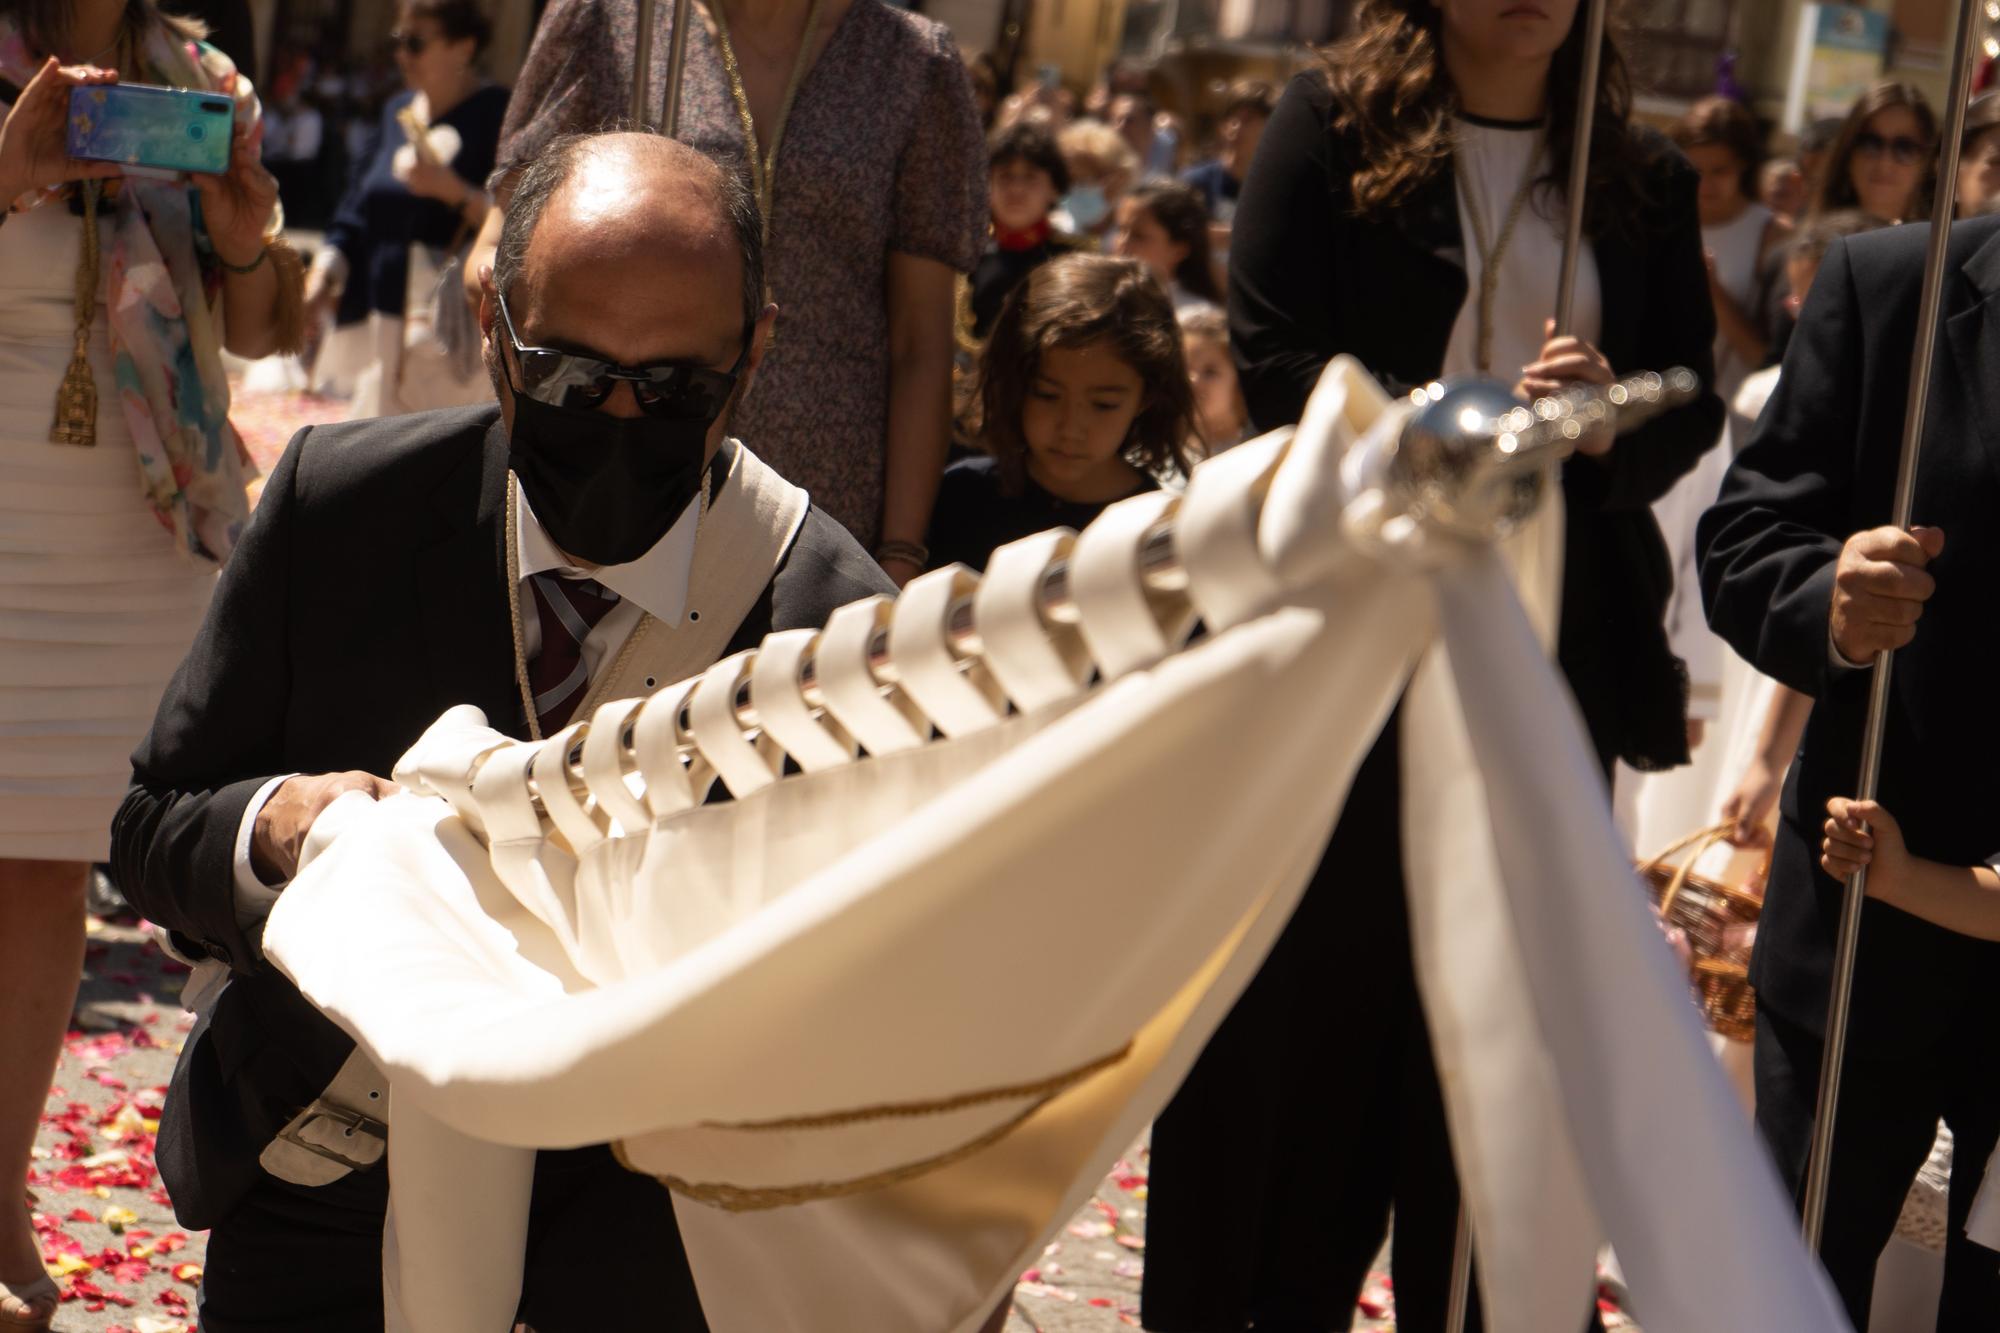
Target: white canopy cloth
{"points": [[1983, 1225], [834, 1014]]}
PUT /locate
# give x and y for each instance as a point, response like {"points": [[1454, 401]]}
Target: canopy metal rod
{"points": [[1579, 168], [641, 115], [1819, 1158]]}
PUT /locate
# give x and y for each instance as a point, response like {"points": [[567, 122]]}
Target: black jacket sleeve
{"points": [[218, 736], [1677, 329], [1283, 324], [1769, 545]]}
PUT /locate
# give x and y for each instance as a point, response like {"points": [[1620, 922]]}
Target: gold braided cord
{"points": [[1490, 257], [76, 396], [764, 170], [752, 1198]]}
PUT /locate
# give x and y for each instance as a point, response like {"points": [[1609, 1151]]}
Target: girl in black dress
{"points": [[1085, 400], [1407, 206]]}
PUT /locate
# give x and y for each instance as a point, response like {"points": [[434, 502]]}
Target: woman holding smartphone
{"points": [[1407, 206], [121, 491]]}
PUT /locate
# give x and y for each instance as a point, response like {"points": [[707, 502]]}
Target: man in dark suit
{"points": [[1802, 578], [595, 535]]}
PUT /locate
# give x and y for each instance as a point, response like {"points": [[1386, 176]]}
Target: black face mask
{"points": [[605, 488]]}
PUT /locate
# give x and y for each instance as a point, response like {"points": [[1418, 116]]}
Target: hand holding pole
{"points": [[1922, 358]]}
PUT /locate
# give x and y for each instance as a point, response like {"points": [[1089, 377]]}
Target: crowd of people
{"points": [[955, 315]]}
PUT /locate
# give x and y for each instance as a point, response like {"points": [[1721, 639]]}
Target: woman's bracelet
{"points": [[913, 553], [263, 253]]}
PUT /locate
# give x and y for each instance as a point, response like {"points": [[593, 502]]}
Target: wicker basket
{"points": [[1719, 922]]}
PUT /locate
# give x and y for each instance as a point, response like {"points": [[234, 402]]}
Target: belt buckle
{"points": [[356, 1123]]}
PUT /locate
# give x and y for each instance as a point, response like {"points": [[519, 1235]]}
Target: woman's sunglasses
{"points": [[1905, 150], [410, 43], [674, 390]]}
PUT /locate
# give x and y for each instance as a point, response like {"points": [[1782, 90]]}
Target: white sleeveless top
{"points": [[1493, 158], [96, 606]]}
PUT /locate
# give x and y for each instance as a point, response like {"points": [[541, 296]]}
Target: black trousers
{"points": [[1312, 1117], [603, 1253], [1889, 1109]]}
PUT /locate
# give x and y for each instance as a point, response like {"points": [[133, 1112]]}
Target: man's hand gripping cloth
{"points": [[837, 1017]]}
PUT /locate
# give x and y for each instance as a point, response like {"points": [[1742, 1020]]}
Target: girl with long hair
{"points": [[1165, 227], [1084, 399], [1883, 161], [1407, 207], [121, 490]]}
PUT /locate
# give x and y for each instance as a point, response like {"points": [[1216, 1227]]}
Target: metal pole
{"points": [[677, 49], [642, 68], [642, 65], [1460, 1305], [1819, 1159], [1579, 160]]}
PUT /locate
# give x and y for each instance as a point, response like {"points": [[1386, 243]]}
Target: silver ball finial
{"points": [[1472, 459], [1457, 466]]}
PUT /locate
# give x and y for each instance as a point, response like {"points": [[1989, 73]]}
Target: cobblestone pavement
{"points": [[107, 1230]]}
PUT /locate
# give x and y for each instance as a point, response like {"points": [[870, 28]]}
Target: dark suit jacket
{"points": [[1820, 468], [1308, 281], [368, 595]]}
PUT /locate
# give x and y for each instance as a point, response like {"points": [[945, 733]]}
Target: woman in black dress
{"points": [[1431, 147]]}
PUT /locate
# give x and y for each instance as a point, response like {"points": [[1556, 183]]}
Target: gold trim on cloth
{"points": [[742, 1198]]}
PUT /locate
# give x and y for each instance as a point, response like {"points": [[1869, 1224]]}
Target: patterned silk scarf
{"points": [[163, 286]]}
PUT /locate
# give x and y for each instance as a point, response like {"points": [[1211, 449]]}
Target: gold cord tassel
{"points": [[76, 399]]}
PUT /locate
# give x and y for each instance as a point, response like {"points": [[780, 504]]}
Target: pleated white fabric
{"points": [[834, 1017], [97, 608]]}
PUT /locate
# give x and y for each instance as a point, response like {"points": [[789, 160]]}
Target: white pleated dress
{"points": [[97, 607]]}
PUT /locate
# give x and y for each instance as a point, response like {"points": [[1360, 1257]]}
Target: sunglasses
{"points": [[410, 43], [1904, 149], [674, 390]]}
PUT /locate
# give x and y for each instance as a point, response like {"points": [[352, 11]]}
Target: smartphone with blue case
{"points": [[152, 130]]}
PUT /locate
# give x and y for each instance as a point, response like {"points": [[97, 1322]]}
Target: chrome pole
{"points": [[1922, 361], [642, 65], [677, 48], [1579, 160]]}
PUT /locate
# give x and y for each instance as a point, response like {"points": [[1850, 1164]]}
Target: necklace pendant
{"points": [[76, 406]]}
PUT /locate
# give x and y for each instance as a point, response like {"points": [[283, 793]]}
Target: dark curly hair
{"points": [[1082, 301], [1394, 102], [1725, 123], [1026, 141], [1183, 215]]}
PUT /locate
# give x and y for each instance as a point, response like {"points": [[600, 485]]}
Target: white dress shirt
{"points": [[656, 584]]}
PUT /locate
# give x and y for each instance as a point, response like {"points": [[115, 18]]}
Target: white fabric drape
{"points": [[849, 974]]}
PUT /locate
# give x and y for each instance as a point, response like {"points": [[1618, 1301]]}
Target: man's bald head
{"points": [[631, 199]]}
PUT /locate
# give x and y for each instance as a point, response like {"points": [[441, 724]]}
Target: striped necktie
{"points": [[557, 678]]}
